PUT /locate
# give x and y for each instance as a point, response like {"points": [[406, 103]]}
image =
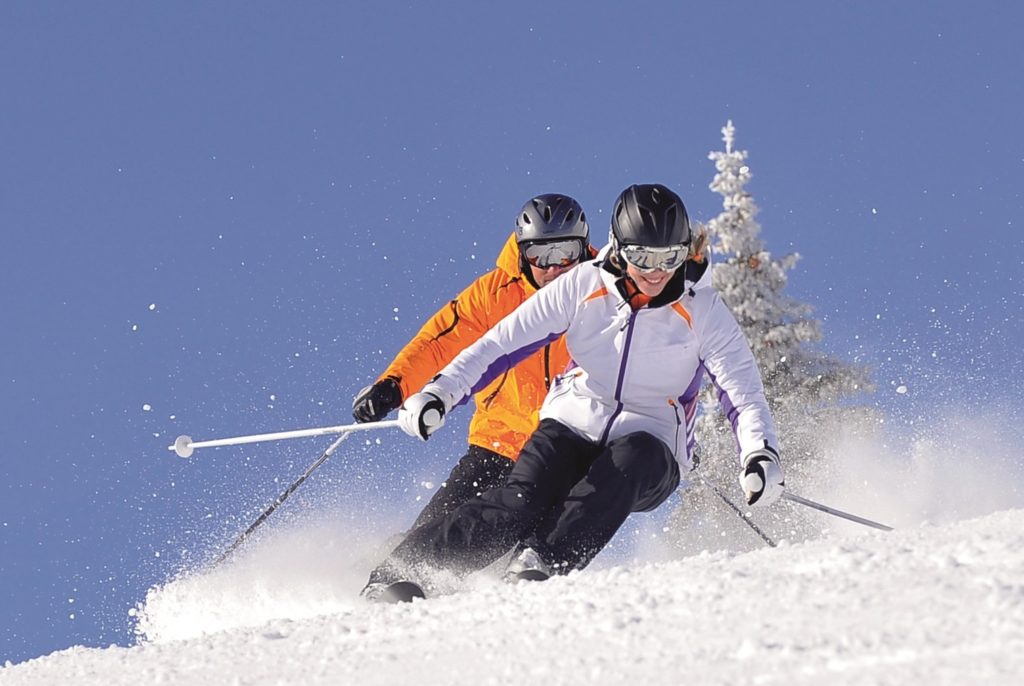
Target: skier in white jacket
{"points": [[643, 326]]}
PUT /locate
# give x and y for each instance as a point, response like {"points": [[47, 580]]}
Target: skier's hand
{"points": [[761, 478], [373, 403], [422, 414]]}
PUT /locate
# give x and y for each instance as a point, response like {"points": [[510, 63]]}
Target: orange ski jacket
{"points": [[506, 409]]}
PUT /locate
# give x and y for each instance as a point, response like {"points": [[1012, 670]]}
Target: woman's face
{"points": [[650, 283]]}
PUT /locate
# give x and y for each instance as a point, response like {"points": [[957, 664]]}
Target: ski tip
{"points": [[401, 592]]}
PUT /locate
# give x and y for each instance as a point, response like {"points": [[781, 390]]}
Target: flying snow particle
{"points": [[901, 389], [146, 407], [152, 306], [135, 327], [874, 211]]}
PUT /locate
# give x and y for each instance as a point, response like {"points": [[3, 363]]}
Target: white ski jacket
{"points": [[630, 370]]}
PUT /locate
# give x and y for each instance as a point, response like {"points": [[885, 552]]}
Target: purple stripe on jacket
{"points": [[731, 412], [506, 362], [688, 401], [694, 388]]}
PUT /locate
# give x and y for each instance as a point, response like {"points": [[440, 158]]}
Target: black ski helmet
{"points": [[650, 215], [551, 217]]}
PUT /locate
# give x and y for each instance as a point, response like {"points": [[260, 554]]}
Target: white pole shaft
{"points": [[832, 511], [189, 445]]}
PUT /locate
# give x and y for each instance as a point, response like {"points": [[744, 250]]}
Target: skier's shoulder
{"points": [[699, 290], [494, 288], [586, 273], [593, 273], [575, 285]]}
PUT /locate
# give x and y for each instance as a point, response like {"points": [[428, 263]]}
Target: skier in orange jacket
{"points": [[551, 237]]}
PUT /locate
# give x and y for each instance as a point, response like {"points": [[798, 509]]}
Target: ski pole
{"points": [[832, 511], [281, 498], [184, 445], [735, 508]]}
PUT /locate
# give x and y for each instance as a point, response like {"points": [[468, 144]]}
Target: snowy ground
{"points": [[922, 605]]}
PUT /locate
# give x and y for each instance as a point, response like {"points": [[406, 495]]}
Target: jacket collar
{"points": [[508, 262]]}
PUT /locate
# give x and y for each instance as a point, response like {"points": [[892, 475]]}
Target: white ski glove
{"points": [[761, 477], [423, 413]]}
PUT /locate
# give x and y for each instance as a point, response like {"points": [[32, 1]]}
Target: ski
{"points": [[527, 575], [401, 592]]}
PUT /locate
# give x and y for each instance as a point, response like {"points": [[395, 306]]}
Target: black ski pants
{"points": [[565, 495], [478, 471]]}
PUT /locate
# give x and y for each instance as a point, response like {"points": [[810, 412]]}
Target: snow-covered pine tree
{"points": [[809, 392]]}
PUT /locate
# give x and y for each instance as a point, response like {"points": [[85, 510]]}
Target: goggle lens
{"points": [[553, 253], [647, 259]]}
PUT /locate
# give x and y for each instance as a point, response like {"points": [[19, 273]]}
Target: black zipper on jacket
{"points": [[547, 367], [454, 304], [494, 393], [679, 420]]}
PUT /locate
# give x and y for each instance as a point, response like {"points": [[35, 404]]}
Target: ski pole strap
{"points": [[832, 511]]}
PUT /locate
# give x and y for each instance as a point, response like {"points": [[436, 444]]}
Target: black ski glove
{"points": [[373, 403]]}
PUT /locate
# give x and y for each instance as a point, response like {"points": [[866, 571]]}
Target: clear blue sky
{"points": [[234, 213]]}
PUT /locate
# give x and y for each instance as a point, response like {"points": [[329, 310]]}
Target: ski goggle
{"points": [[547, 254], [646, 259]]}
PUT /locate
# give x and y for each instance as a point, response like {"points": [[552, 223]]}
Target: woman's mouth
{"points": [[653, 280]]}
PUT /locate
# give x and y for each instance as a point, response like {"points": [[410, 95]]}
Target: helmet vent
{"points": [[656, 195], [648, 217], [547, 213], [568, 217], [526, 218]]}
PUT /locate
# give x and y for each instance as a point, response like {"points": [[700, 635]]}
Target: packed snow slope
{"points": [[921, 605]]}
